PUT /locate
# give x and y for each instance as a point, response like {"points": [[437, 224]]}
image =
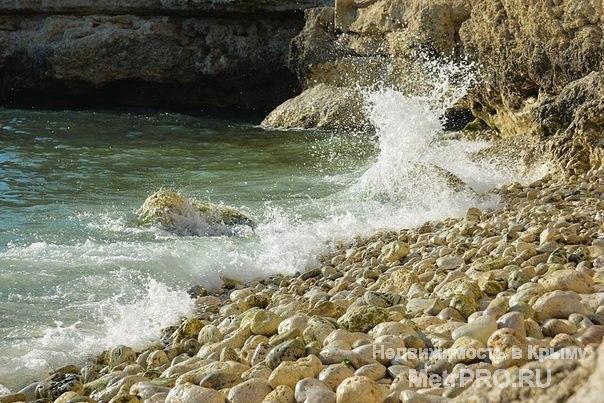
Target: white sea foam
{"points": [[392, 192], [132, 323]]}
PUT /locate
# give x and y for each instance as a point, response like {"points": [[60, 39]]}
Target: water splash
{"points": [[121, 320], [407, 183], [408, 129]]}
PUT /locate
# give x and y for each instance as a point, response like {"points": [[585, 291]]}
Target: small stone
{"points": [[465, 305], [464, 350], [450, 314], [359, 389], [260, 353], [396, 370], [568, 280], [289, 350], [251, 391], [264, 323], [532, 194], [220, 379], [157, 358], [334, 374], [281, 394], [375, 371], [188, 329], [381, 299], [391, 329], [18, 397], [592, 335], [64, 398], [506, 348], [57, 384], [259, 371], [318, 329], [125, 398], [492, 287], [313, 390], [120, 355], [192, 393], [395, 251], [514, 321], [553, 327], [558, 305], [363, 318], [480, 329], [290, 372], [409, 359], [548, 235], [146, 390], [449, 262], [330, 356], [489, 263], [209, 334], [473, 214]]}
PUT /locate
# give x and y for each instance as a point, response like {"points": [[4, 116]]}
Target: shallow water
{"points": [[76, 272], [77, 275]]}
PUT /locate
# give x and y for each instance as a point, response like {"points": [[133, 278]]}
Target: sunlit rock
{"points": [[187, 216]]}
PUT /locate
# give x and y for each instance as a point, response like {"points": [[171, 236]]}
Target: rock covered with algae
{"points": [[184, 215]]}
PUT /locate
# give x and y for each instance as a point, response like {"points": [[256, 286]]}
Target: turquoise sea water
{"points": [[77, 275]]}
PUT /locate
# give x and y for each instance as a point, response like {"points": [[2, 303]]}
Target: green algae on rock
{"points": [[181, 214]]}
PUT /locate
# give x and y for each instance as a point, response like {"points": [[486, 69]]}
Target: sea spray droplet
{"points": [[408, 129]]}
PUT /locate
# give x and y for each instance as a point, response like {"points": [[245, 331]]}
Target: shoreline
{"points": [[503, 304], [414, 289]]}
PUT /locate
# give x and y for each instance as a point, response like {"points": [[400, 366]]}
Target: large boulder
{"points": [[360, 45], [322, 106], [183, 215]]}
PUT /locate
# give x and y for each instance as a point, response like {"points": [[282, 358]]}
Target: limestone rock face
{"points": [[316, 43], [176, 7], [359, 44], [542, 64], [574, 120], [569, 380], [169, 54], [434, 22], [533, 47]]}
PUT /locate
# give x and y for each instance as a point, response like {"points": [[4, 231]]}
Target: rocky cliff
{"points": [[164, 53], [540, 64]]}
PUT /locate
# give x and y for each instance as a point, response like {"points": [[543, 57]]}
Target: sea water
{"points": [[78, 275]]}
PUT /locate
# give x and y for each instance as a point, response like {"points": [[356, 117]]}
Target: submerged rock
{"points": [[190, 216]]}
